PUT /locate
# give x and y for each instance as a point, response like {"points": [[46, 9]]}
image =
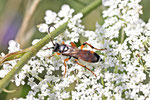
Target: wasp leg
{"points": [[49, 48], [82, 46], [56, 53], [76, 60], [73, 44], [66, 65], [63, 42]]}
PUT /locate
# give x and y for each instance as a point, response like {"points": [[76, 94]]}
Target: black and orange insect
{"points": [[73, 51]]}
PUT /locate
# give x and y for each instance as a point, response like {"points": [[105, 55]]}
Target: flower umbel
{"points": [[125, 65]]}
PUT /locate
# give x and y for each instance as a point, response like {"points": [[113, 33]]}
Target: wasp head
{"points": [[60, 48], [56, 47]]}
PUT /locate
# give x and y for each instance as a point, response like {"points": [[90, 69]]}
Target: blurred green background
{"points": [[11, 16]]}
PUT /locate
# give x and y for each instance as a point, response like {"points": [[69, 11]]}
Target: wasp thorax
{"points": [[63, 48]]}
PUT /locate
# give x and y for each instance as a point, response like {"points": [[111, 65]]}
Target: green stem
{"points": [[35, 48], [119, 56], [91, 7], [40, 79], [122, 36]]}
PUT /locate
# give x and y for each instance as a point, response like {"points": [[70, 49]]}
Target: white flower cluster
{"points": [[123, 72], [128, 52]]}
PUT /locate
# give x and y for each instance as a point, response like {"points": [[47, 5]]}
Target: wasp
{"points": [[71, 51]]}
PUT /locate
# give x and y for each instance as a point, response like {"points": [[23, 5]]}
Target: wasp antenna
{"points": [[52, 41], [50, 35], [49, 30], [52, 24]]}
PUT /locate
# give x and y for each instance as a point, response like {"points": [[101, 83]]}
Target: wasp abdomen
{"points": [[88, 56]]}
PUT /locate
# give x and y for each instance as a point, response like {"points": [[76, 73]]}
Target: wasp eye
{"points": [[61, 48]]}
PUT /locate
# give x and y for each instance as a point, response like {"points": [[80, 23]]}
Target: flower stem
{"points": [[122, 36], [40, 79], [85, 11]]}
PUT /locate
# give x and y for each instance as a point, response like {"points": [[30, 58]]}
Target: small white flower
{"points": [[66, 11], [13, 46], [3, 73], [43, 28], [50, 17]]}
